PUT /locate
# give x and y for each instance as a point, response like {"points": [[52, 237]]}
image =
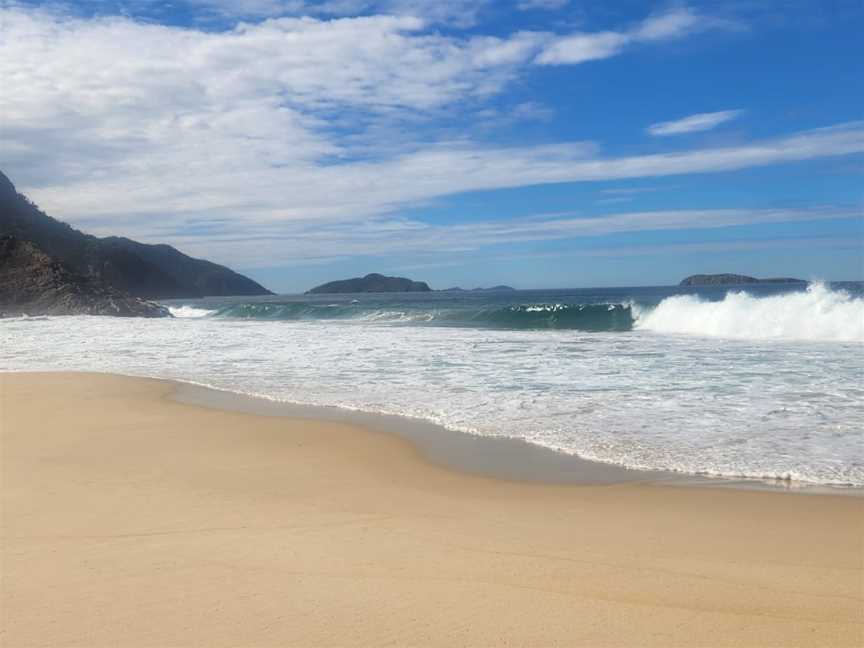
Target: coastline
{"points": [[131, 518], [502, 458], [499, 458], [639, 399]]}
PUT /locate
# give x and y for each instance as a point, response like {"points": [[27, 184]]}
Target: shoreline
{"points": [[500, 458], [503, 458], [129, 518]]}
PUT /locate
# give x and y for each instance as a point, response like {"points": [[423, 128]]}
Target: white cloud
{"points": [[516, 49], [299, 243], [456, 13], [532, 110], [548, 5], [673, 24], [490, 119], [581, 47], [693, 123], [112, 97], [739, 245], [255, 8], [253, 194]]}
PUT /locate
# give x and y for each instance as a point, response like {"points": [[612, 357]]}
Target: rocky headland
{"points": [[50, 268], [33, 283], [139, 269]]}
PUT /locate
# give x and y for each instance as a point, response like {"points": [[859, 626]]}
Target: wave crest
{"points": [[817, 314], [189, 311], [584, 317]]}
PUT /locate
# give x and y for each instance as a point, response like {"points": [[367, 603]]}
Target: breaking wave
{"points": [[820, 313], [189, 311]]}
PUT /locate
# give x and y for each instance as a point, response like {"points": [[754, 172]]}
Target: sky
{"points": [[535, 143]]}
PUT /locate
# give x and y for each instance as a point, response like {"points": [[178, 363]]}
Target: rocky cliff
{"points": [[33, 283]]}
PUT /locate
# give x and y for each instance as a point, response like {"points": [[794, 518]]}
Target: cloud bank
{"points": [[301, 243], [455, 13], [303, 125]]}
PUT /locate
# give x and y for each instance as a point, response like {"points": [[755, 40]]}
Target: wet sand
{"points": [[499, 457], [132, 519]]}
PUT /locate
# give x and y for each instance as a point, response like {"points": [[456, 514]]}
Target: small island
{"points": [[371, 283], [492, 289], [727, 279]]}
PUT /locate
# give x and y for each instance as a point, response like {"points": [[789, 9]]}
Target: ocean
{"points": [[762, 381]]}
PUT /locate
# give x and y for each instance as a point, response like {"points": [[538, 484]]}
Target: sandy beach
{"points": [[131, 519]]}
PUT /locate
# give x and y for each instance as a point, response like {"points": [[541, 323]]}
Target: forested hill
{"points": [[139, 269]]}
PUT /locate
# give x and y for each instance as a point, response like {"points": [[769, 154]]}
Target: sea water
{"points": [[759, 381]]}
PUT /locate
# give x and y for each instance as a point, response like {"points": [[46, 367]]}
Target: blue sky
{"points": [[539, 143]]}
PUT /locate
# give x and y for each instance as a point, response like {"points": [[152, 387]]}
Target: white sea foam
{"points": [[698, 404], [542, 308], [189, 311], [395, 316], [817, 314]]}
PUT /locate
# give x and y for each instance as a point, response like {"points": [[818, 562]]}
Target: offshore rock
{"points": [[371, 283]]}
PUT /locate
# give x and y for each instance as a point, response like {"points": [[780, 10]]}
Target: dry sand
{"points": [[129, 519]]}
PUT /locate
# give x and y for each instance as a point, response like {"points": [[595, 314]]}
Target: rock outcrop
{"points": [[371, 283], [34, 283]]}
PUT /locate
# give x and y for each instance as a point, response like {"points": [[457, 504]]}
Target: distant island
{"points": [[492, 289], [50, 268], [725, 279], [371, 283]]}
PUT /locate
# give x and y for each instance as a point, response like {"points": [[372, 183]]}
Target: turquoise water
{"points": [[607, 309]]}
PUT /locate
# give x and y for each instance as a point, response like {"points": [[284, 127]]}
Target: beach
{"points": [[585, 377], [132, 519]]}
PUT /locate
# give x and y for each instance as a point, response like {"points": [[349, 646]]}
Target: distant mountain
{"points": [[371, 283], [492, 289], [149, 271], [733, 279], [32, 283]]}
